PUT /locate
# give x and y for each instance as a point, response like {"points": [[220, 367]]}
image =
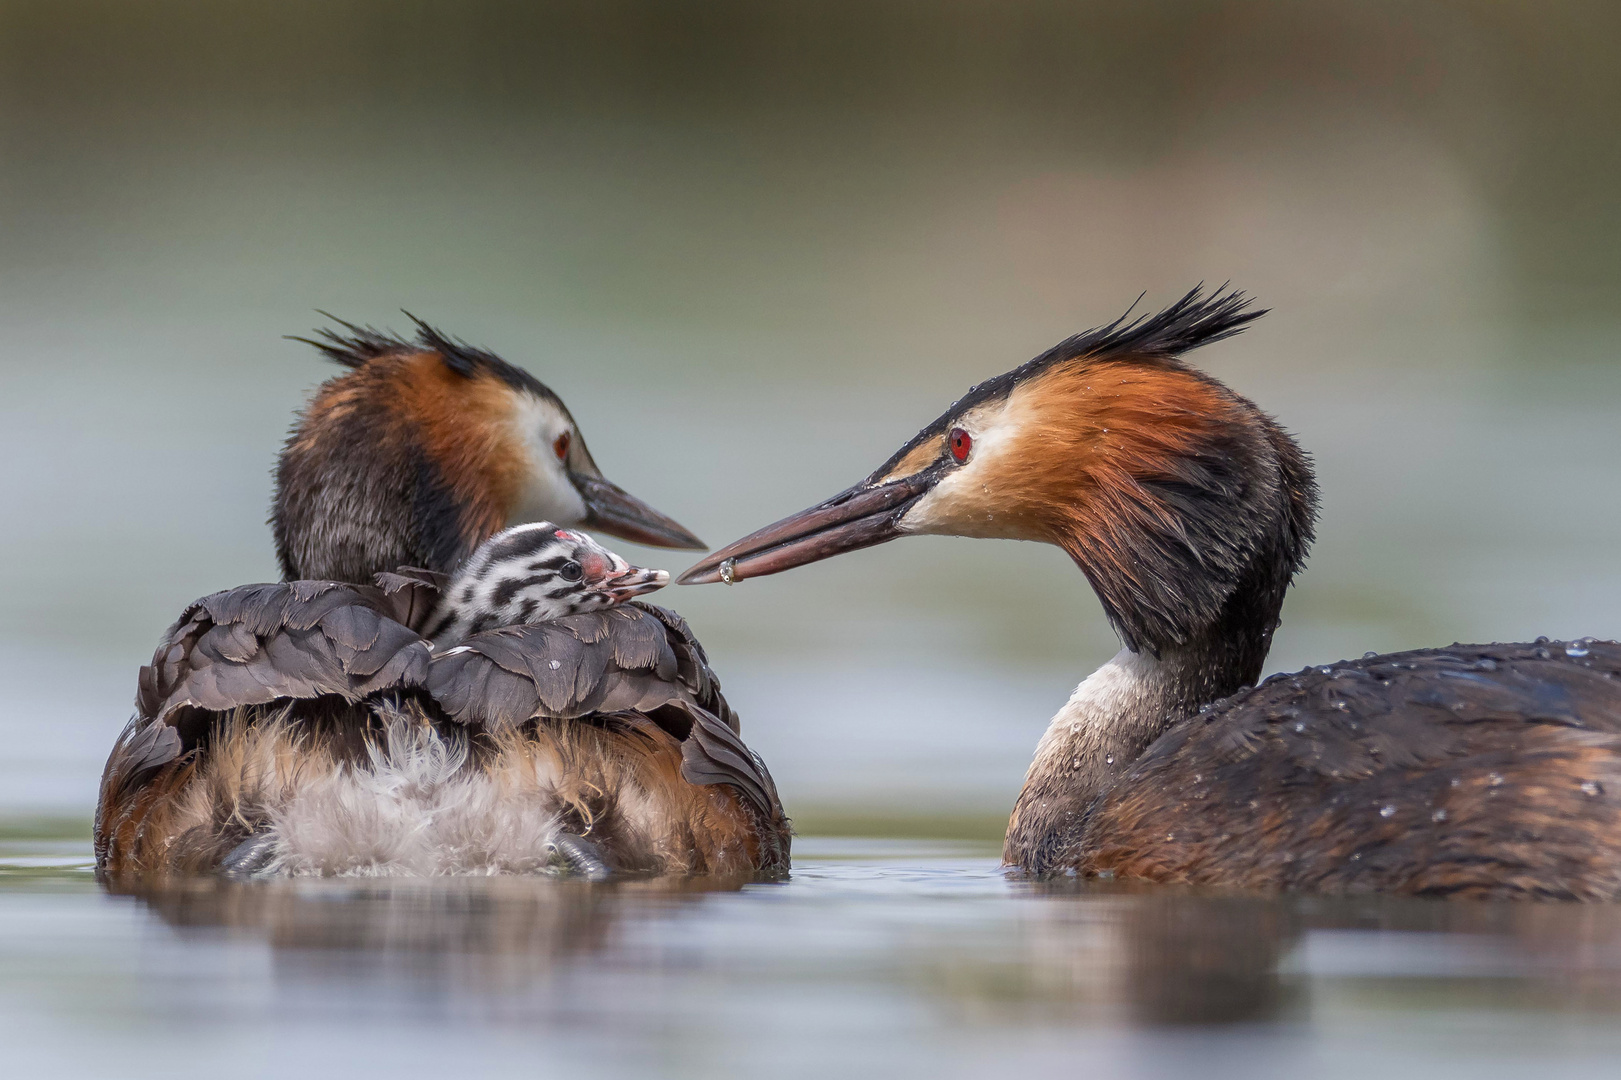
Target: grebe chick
{"points": [[532, 574], [1474, 770]]}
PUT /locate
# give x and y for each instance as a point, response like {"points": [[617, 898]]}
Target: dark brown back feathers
{"points": [[332, 650], [1475, 770]]}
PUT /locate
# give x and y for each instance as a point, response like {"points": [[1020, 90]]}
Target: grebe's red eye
{"points": [[560, 446], [961, 444]]}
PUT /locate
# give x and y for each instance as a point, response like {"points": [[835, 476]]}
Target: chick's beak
{"points": [[867, 514], [613, 510], [636, 581]]}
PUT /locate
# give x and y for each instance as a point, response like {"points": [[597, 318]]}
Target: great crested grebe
{"points": [[392, 719], [1475, 770]]}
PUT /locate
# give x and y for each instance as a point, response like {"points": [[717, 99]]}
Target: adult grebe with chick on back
{"points": [[424, 693]]}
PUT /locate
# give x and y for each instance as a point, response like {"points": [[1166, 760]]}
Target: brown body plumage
{"points": [[607, 725], [307, 727], [1474, 770]]}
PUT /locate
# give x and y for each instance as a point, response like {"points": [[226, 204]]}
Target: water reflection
{"points": [[477, 935], [985, 951], [1088, 953], [901, 957]]}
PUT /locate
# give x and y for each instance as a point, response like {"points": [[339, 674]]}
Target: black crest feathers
{"points": [[356, 346], [1196, 319]]}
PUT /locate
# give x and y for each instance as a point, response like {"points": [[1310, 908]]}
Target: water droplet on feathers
{"points": [[1590, 788], [1439, 815], [1388, 810], [1576, 648], [555, 664], [1494, 779]]}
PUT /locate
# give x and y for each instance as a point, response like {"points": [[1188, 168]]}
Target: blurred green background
{"points": [[755, 247]]}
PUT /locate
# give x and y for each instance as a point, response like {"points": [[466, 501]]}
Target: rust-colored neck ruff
{"points": [[465, 426], [401, 462], [1168, 490]]}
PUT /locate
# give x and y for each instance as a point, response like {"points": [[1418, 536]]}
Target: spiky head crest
{"points": [[1186, 506], [419, 452]]}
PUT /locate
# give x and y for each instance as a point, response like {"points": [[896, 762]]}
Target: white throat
{"points": [[1110, 718]]}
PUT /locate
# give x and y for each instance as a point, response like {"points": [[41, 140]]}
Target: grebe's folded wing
{"points": [[259, 644], [411, 594], [298, 639], [634, 660]]}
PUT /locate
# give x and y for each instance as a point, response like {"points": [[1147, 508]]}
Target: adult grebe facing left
{"points": [[1475, 770], [426, 448], [308, 726]]}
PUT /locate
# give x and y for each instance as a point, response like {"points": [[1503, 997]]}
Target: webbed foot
{"points": [[251, 857], [579, 857]]}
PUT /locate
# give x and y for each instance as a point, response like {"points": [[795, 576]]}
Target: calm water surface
{"points": [[892, 957]]}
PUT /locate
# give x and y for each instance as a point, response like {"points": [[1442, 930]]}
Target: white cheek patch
{"points": [[546, 493], [963, 502]]}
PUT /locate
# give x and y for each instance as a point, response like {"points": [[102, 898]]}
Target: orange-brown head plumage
{"points": [[425, 449], [1185, 505]]}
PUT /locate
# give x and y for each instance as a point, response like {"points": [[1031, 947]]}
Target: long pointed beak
{"points": [[865, 515], [613, 510]]}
